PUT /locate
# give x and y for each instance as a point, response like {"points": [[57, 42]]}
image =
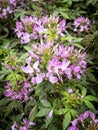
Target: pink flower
{"points": [[75, 122], [14, 126], [28, 123], [23, 128], [38, 79], [27, 69], [33, 28], [73, 128], [80, 120], [25, 38], [81, 24], [52, 78], [25, 125], [21, 95]]}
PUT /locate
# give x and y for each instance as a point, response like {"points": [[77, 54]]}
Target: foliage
{"points": [[48, 64]]}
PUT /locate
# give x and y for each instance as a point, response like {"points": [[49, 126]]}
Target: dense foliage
{"points": [[48, 65]]}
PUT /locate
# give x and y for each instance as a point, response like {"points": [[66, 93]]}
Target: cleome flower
{"points": [[82, 24], [55, 63], [25, 125], [33, 28], [18, 93], [8, 6], [81, 120]]}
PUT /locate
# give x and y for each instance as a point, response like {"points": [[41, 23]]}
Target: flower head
{"points": [[81, 119], [33, 28], [81, 24], [18, 93]]}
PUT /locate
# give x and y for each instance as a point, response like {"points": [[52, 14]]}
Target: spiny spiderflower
{"points": [[18, 93], [55, 63], [8, 6], [33, 28], [25, 125], [80, 120], [82, 24]]}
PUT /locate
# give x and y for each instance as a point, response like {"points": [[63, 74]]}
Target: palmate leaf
{"points": [[27, 48], [48, 121], [4, 101], [45, 103], [78, 45], [13, 105], [91, 98], [66, 120], [65, 15], [89, 105], [43, 112], [61, 111], [84, 91]]}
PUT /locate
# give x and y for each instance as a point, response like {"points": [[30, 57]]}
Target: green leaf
{"points": [[66, 120], [73, 112], [24, 56], [4, 101], [45, 103], [66, 94], [77, 39], [65, 15], [91, 77], [43, 112], [18, 77], [48, 121], [84, 91], [27, 48], [10, 76], [91, 98], [61, 111], [89, 105], [78, 45]]}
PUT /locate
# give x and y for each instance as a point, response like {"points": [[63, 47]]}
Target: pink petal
{"points": [[27, 69], [53, 79], [50, 114]]}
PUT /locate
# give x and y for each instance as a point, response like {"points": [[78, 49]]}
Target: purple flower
{"points": [[27, 69], [53, 66], [92, 115], [54, 63], [25, 125], [28, 123], [81, 24], [14, 126], [73, 128], [51, 78], [35, 0], [38, 79], [20, 94], [25, 38], [86, 114], [11, 6], [33, 28], [23, 128], [70, 90], [80, 120], [75, 122]]}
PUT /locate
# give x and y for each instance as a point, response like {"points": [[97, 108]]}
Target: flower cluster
{"points": [[18, 93], [81, 119], [54, 63], [81, 24], [25, 125], [7, 7], [33, 28]]}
